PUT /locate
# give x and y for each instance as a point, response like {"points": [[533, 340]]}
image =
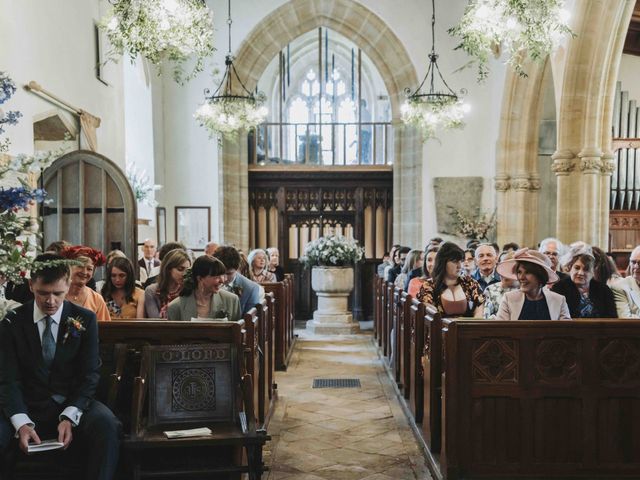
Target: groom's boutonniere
{"points": [[74, 328]]}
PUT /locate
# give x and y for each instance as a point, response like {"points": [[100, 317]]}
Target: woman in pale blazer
{"points": [[201, 295], [532, 301]]}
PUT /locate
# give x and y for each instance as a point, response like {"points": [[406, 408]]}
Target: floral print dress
{"points": [[469, 286]]}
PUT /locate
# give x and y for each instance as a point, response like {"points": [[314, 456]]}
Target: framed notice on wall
{"points": [[193, 226], [161, 225]]}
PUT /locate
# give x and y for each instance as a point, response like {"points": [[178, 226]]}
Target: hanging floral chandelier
{"points": [[161, 31], [520, 28], [434, 110], [229, 110]]}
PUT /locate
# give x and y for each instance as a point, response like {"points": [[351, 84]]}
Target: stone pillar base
{"points": [[333, 324]]}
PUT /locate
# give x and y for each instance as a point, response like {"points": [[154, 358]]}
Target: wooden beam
{"points": [[619, 143]]}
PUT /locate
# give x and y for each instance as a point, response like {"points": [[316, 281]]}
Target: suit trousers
{"points": [[96, 438]]}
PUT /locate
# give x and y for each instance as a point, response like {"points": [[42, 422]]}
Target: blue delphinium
{"points": [[7, 87], [9, 118], [19, 197]]}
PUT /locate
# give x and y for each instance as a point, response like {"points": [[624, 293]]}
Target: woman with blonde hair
{"points": [[157, 296], [79, 293]]}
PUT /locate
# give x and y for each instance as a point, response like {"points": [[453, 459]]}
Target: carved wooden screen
{"points": [[92, 204], [288, 209]]}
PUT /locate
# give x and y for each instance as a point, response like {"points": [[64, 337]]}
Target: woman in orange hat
{"points": [[79, 293]]}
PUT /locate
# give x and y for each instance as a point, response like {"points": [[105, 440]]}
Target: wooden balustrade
{"points": [[536, 399]]}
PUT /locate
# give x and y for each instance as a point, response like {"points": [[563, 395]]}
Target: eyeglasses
{"points": [[552, 254], [634, 262]]}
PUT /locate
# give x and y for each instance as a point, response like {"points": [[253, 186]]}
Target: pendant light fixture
{"points": [[231, 107], [437, 108]]}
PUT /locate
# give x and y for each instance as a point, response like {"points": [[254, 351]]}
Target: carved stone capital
{"points": [[563, 166], [521, 184], [590, 165], [608, 165], [535, 183], [502, 183]]}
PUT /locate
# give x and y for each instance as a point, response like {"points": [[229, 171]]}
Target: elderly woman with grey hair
{"points": [[553, 249], [586, 297], [259, 266]]}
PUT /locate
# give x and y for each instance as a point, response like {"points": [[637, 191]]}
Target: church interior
{"points": [[286, 239]]}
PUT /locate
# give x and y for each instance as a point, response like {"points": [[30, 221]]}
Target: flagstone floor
{"points": [[340, 434]]}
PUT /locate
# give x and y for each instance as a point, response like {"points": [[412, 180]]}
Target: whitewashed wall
{"points": [[628, 74]]}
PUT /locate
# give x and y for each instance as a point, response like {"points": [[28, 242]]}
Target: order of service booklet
{"points": [[45, 445]]}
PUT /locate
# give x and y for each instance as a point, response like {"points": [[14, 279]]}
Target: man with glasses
{"points": [[626, 292], [553, 249]]}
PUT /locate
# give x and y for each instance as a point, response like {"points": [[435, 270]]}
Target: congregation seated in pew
{"points": [[124, 299], [158, 295]]}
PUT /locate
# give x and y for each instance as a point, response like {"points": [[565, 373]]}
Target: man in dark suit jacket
{"points": [[249, 292], [50, 372]]}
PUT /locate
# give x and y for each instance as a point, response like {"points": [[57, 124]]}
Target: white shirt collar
{"points": [[39, 315]]}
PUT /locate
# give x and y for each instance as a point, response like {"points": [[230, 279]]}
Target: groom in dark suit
{"points": [[50, 371]]}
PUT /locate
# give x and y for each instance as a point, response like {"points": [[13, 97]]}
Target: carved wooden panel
{"points": [[556, 361], [495, 361], [619, 360]]}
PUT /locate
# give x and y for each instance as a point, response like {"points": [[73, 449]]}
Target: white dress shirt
{"points": [[71, 413]]}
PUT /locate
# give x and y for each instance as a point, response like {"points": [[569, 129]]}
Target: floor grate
{"points": [[336, 383]]}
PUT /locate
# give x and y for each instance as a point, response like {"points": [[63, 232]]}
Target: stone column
{"points": [[502, 186], [567, 221], [608, 166], [233, 192], [590, 168], [407, 186]]}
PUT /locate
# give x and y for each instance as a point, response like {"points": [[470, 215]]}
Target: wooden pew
{"points": [[403, 341], [252, 359], [271, 356], [541, 398], [389, 289], [432, 377], [291, 310], [279, 291], [378, 305], [416, 367]]}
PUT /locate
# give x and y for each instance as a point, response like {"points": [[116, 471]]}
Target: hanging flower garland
{"points": [[520, 28], [161, 30], [429, 117], [16, 227], [227, 117]]}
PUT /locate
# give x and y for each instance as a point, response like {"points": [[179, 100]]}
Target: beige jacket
{"points": [[626, 293], [512, 302]]}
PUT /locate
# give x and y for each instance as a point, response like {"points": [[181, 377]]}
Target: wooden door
{"points": [[91, 204]]}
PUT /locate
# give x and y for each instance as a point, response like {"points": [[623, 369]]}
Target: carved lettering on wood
{"points": [[619, 360], [495, 361], [556, 361]]}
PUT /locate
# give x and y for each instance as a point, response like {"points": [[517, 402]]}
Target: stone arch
{"points": [[386, 51], [583, 161]]}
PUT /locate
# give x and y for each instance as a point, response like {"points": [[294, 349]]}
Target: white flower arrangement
{"points": [[521, 28], [429, 117], [334, 251], [161, 30], [227, 117], [142, 187]]}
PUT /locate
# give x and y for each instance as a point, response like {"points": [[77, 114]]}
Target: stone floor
{"points": [[342, 434]]}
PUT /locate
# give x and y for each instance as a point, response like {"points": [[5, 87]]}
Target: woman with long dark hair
{"points": [[451, 293], [202, 295], [157, 296], [124, 300]]}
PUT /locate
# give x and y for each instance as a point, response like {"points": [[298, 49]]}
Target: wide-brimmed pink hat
{"points": [[507, 268]]}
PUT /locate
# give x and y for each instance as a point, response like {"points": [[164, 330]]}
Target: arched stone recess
{"points": [[517, 180], [389, 56], [583, 161]]}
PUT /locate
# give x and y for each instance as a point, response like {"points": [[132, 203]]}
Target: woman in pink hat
{"points": [[532, 301]]}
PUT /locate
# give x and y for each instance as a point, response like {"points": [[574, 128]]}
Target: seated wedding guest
{"points": [[401, 257], [414, 261], [435, 242], [51, 372], [586, 297], [124, 300], [110, 256], [510, 247], [532, 301], [274, 264], [57, 247], [486, 259], [469, 262], [202, 295], [604, 268], [393, 254], [148, 264], [157, 296], [427, 267], [163, 252], [494, 292], [553, 249], [626, 292], [472, 244], [79, 293], [450, 293], [249, 292], [244, 268], [258, 263], [382, 266], [210, 247]]}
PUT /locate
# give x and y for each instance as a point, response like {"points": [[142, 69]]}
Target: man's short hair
{"points": [[229, 256], [511, 246], [492, 245], [167, 247], [49, 268]]}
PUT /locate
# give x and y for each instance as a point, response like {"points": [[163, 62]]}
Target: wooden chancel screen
{"points": [[91, 203], [288, 209]]}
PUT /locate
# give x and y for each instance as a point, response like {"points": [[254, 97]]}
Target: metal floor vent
{"points": [[336, 383]]}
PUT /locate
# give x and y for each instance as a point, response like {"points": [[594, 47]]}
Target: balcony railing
{"points": [[328, 144]]}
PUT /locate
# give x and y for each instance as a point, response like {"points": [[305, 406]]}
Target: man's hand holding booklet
{"points": [[45, 446]]}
